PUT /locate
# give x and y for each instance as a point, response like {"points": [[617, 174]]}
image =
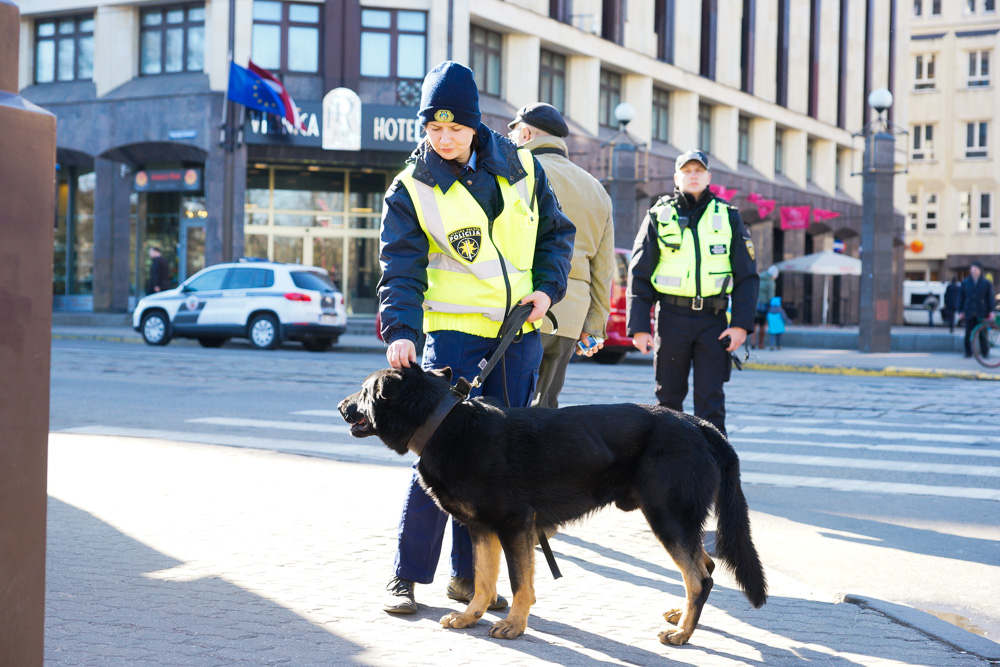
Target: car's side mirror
{"points": [[186, 288]]}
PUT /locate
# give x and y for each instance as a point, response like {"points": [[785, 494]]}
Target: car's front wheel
{"points": [[264, 333], [155, 328]]}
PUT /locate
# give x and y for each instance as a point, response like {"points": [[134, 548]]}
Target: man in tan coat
{"points": [[583, 312]]}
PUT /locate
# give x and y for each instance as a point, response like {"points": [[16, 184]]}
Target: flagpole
{"points": [[228, 160]]}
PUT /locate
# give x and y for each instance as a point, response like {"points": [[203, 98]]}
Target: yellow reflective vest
{"points": [[690, 267], [477, 269]]}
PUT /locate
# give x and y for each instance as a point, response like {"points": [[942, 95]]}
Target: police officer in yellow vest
{"points": [[692, 253], [469, 229]]}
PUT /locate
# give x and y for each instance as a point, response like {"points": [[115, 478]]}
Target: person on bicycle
{"points": [[976, 303]]}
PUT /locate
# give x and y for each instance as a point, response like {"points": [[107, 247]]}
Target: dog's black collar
{"points": [[455, 395]]}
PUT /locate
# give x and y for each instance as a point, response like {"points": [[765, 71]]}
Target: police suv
{"points": [[265, 302]]}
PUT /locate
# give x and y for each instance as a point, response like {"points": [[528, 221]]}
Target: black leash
{"points": [[509, 331]]}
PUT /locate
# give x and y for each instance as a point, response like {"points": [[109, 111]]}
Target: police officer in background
{"points": [[692, 251]]}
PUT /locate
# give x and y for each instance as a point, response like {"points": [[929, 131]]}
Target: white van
{"points": [[914, 293]]}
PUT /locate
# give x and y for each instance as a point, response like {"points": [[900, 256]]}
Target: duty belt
{"points": [[716, 303]]}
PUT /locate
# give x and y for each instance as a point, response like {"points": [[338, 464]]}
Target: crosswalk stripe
{"points": [[312, 427], [868, 486], [912, 449], [947, 426], [871, 464], [882, 435], [319, 413]]}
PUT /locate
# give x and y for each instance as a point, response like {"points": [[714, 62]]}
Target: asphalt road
{"points": [[886, 488]]}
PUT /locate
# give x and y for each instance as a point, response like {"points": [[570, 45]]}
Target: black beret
{"points": [[544, 117]]}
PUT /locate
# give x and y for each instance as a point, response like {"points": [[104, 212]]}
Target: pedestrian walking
{"points": [[976, 303], [691, 253], [583, 313], [931, 304], [768, 285], [159, 272], [776, 320], [469, 229], [952, 294]]}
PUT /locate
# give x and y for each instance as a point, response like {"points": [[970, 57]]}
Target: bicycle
{"points": [[989, 331]]}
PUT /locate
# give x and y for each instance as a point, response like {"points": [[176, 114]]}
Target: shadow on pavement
{"points": [[103, 607]]}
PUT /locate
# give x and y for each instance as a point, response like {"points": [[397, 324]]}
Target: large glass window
{"points": [[661, 115], [486, 54], [610, 97], [964, 211], [779, 151], [286, 36], [552, 79], [979, 68], [64, 49], [743, 140], [923, 142], [923, 78], [705, 127], [73, 268], [172, 39], [985, 211], [322, 217], [393, 43], [976, 139]]}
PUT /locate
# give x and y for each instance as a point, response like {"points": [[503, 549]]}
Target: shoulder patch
{"points": [[750, 249]]}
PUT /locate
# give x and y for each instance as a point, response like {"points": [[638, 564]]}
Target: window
{"points": [[709, 29], [979, 68], [918, 7], [743, 140], [838, 174], [663, 25], [611, 96], [985, 210], [935, 7], [810, 155], [964, 211], [561, 10], [64, 49], [705, 127], [912, 214], [747, 46], [613, 20], [931, 213], [975, 139], [172, 39], [393, 43], [923, 142], [924, 74], [552, 79], [250, 278], [207, 282], [661, 115], [486, 52], [779, 151], [286, 36]]}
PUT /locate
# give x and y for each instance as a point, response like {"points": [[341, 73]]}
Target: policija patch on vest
{"points": [[750, 249], [717, 249], [466, 242]]}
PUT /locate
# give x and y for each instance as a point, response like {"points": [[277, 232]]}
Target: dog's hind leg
{"points": [[519, 548], [486, 558], [674, 615]]}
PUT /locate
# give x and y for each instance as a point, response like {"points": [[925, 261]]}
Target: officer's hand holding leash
{"points": [[541, 302]]}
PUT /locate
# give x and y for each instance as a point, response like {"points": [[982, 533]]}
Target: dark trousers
{"points": [[556, 353], [984, 343], [948, 315], [421, 527], [684, 338]]}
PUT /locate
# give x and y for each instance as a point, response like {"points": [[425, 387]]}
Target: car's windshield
{"points": [[312, 281]]}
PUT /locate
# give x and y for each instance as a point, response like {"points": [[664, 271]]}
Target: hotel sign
{"points": [[339, 123]]}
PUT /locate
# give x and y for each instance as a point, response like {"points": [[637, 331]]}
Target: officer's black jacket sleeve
{"points": [[403, 251], [553, 243], [746, 281], [640, 295]]}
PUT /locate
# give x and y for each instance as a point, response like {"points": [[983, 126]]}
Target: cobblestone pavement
{"points": [[167, 553]]}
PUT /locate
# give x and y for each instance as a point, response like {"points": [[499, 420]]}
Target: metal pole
{"points": [[28, 174], [228, 147], [876, 244]]}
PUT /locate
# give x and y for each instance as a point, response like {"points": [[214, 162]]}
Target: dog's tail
{"points": [[733, 543]]}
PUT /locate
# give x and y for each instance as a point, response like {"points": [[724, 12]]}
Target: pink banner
{"points": [[795, 217], [821, 214], [765, 207], [755, 198], [722, 193]]}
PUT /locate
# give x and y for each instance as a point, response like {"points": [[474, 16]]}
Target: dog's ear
{"points": [[385, 388], [442, 373]]}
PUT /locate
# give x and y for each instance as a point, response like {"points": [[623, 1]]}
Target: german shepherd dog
{"points": [[508, 473]]}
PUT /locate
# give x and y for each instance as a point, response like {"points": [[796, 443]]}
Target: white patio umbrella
{"points": [[827, 263]]}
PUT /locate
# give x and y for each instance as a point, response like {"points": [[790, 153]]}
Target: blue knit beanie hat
{"points": [[450, 95]]}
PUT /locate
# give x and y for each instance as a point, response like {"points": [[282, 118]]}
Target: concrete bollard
{"points": [[27, 217]]}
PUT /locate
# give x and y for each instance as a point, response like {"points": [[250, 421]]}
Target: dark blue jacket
{"points": [[404, 247], [952, 296], [977, 298]]}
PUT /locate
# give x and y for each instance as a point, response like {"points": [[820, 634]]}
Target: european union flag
{"points": [[253, 92]]}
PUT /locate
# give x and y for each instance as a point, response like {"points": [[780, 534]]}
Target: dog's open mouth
{"points": [[361, 427]]}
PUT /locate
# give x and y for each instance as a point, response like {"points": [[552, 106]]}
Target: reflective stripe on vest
{"points": [[687, 269], [472, 261]]}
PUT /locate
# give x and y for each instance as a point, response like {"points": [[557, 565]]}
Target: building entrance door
{"points": [[191, 251]]}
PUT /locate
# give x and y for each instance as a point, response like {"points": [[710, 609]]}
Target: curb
{"points": [[114, 338], [930, 625], [888, 371]]}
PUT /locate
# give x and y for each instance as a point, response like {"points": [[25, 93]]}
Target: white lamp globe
{"points": [[624, 112], [880, 100]]}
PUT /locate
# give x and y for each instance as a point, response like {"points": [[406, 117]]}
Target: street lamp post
{"points": [[623, 175], [877, 281]]}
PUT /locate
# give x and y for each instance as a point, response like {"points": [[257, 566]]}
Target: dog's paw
{"points": [[458, 619], [674, 637], [673, 617], [507, 629]]}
